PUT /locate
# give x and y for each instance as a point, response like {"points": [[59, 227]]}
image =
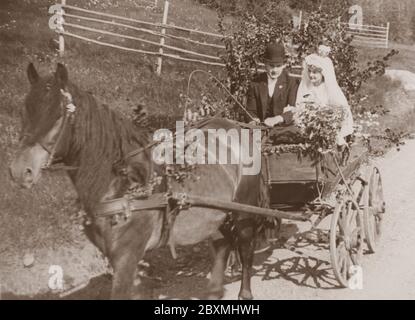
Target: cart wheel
{"points": [[346, 240], [372, 216]]}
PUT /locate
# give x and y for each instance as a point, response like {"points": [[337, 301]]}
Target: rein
{"points": [[148, 146], [204, 121]]}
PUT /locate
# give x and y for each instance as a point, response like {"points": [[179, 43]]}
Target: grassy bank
{"points": [[39, 221], [383, 91]]}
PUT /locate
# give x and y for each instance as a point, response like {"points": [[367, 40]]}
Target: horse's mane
{"points": [[101, 137]]}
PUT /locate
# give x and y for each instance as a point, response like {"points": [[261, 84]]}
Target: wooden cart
{"points": [[351, 193], [300, 189]]}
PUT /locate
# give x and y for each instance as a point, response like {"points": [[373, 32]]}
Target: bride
{"points": [[319, 85]]}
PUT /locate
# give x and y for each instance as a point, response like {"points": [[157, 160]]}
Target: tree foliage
{"points": [[246, 45]]}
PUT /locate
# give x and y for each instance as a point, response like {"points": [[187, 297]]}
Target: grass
{"points": [[41, 218], [118, 78], [390, 94], [400, 116], [404, 60]]}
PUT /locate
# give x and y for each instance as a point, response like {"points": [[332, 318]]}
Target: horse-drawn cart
{"points": [[302, 190]]}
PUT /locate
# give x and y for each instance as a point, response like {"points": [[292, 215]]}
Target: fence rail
{"points": [[369, 35], [105, 44], [157, 25], [73, 18], [363, 35], [155, 33]]}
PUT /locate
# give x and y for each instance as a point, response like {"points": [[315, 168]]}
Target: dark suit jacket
{"points": [[285, 93]]}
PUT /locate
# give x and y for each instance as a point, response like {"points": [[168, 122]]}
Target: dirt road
{"points": [[387, 274]]}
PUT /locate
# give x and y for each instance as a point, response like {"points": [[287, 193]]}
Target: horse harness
{"points": [[121, 209]]}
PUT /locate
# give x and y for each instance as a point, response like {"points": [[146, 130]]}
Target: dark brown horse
{"points": [[92, 142]]}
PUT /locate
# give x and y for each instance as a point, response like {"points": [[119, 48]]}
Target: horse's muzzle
{"points": [[24, 178]]}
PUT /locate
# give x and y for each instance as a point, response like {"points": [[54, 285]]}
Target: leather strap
{"points": [[121, 205]]}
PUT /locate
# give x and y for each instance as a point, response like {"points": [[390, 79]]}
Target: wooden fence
{"points": [[363, 35], [369, 35], [72, 19], [155, 35]]}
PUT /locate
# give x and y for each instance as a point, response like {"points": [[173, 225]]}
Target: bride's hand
{"points": [[308, 98]]}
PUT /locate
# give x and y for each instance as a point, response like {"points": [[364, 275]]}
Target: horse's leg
{"points": [[246, 243], [128, 249], [221, 249], [124, 271]]}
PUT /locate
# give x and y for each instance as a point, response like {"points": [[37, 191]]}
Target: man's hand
{"points": [[289, 108], [273, 121], [255, 121]]}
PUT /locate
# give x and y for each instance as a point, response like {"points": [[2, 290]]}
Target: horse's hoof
{"points": [[136, 297], [246, 298], [217, 295], [245, 295]]}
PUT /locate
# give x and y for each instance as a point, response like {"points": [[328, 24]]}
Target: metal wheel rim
{"points": [[372, 216]]}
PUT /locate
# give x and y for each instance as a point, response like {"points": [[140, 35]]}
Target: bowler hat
{"points": [[274, 53]]}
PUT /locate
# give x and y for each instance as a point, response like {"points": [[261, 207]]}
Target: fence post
{"points": [[387, 35], [155, 3], [60, 22], [162, 39], [300, 18]]}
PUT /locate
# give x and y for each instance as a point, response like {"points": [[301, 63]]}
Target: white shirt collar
{"points": [[271, 85]]}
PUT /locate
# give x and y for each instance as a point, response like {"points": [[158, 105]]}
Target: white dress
{"points": [[320, 96], [328, 93], [316, 94]]}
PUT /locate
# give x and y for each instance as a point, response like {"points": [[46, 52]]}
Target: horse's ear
{"points": [[61, 75], [32, 74]]}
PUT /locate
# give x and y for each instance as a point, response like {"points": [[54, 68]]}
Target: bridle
{"points": [[68, 116], [70, 108]]}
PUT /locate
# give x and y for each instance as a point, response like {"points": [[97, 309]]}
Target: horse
{"points": [[90, 143]]}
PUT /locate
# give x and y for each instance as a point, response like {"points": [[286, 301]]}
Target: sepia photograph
{"points": [[207, 150]]}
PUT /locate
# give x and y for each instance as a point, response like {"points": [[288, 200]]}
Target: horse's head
{"points": [[41, 117]]}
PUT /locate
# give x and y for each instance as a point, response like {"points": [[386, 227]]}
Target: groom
{"points": [[270, 96], [273, 90]]}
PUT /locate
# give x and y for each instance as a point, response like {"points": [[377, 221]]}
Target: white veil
{"points": [[334, 94]]}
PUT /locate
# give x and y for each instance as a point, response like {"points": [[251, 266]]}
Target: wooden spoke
{"points": [[345, 239]]}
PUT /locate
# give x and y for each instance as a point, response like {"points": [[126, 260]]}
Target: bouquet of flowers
{"points": [[320, 126]]}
